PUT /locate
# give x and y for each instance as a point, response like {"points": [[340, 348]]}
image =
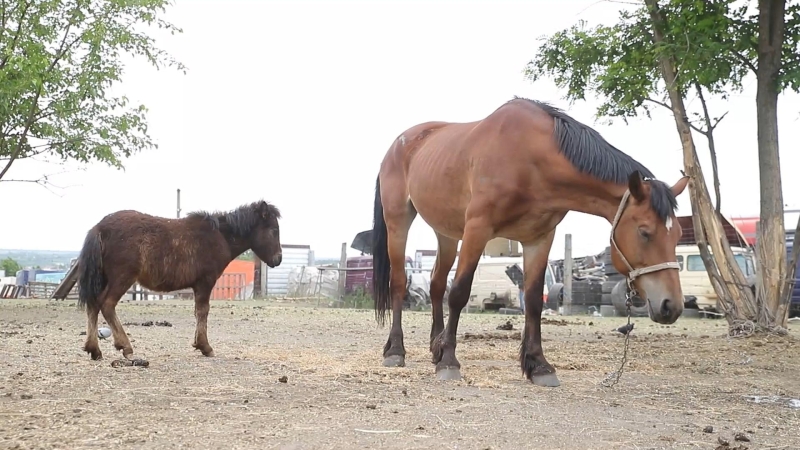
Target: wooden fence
{"points": [[229, 286]]}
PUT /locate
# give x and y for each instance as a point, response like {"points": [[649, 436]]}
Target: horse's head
{"points": [[644, 235], [265, 239]]}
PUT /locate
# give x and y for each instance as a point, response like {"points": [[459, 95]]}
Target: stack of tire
{"points": [[615, 290], [613, 278], [584, 293]]}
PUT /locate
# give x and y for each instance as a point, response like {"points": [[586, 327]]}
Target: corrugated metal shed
{"points": [[734, 235], [293, 256]]}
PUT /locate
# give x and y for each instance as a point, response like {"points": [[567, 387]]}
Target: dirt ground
{"points": [[686, 386]]}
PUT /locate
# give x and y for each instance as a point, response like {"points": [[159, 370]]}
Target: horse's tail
{"points": [[381, 267], [92, 277]]}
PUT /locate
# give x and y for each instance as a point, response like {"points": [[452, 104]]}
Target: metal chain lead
{"points": [[613, 377]]}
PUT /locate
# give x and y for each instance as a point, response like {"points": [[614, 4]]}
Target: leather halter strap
{"points": [[635, 273]]}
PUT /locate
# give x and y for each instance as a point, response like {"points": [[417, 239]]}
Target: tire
{"points": [[554, 296], [580, 287], [638, 309], [605, 299]]}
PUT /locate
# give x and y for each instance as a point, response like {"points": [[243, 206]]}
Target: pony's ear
{"points": [[636, 186], [267, 211], [263, 209]]}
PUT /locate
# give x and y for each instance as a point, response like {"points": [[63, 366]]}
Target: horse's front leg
{"points": [[531, 356], [202, 296]]}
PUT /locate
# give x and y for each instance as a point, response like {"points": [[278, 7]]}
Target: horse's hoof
{"points": [[546, 380], [209, 353], [96, 356], [394, 361], [448, 374]]}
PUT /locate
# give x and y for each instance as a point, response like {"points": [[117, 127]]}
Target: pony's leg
{"points": [[445, 257], [476, 234], [397, 226], [92, 345], [202, 295], [108, 307], [531, 356]]}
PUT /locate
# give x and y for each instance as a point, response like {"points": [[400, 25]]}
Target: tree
{"points": [[10, 266], [58, 59], [248, 255], [657, 55]]}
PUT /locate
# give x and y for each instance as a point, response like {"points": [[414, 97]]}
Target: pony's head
{"points": [[265, 237], [644, 236]]}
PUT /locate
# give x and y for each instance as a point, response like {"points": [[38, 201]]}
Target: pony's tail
{"points": [[381, 267], [92, 278]]}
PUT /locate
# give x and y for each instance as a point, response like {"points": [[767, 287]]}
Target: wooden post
{"points": [[256, 276], [179, 204], [567, 275], [342, 273], [264, 280]]}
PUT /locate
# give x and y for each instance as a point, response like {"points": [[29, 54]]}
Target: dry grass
{"points": [[337, 395]]}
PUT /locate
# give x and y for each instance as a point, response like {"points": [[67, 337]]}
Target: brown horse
{"points": [[167, 255], [515, 174]]}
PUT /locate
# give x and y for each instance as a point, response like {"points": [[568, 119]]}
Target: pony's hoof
{"points": [[448, 374], [546, 380], [209, 354], [394, 361], [96, 356]]}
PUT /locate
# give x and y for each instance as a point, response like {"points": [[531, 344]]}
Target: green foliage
{"points": [[58, 60], [10, 266], [358, 300], [713, 41], [246, 256]]}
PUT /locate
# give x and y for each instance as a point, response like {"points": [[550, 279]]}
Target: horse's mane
{"points": [[588, 152], [241, 220]]}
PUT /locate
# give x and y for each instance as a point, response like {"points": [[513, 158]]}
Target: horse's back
{"points": [[162, 254], [447, 164]]}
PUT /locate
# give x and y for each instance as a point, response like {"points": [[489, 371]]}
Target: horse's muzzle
{"points": [[276, 260]]}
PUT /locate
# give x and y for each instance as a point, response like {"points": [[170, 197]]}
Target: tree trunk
{"points": [[772, 244], [729, 283]]}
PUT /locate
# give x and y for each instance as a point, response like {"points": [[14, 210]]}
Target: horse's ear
{"points": [[677, 188], [264, 209], [636, 186]]}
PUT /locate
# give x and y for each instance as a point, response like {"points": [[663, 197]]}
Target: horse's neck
{"points": [[597, 199], [237, 245]]}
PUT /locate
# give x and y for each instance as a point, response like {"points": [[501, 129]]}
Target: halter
{"points": [[635, 273]]}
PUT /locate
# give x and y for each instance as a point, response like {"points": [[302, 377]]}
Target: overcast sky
{"points": [[297, 102]]}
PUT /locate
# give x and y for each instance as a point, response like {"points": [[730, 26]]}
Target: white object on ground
{"points": [[103, 332]]}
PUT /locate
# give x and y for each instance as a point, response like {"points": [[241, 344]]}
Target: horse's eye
{"points": [[644, 233]]}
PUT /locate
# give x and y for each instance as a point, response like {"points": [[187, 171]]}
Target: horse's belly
{"points": [[445, 215]]}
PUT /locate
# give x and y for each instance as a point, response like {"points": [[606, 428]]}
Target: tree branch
{"points": [[744, 60], [711, 145], [35, 103], [10, 51], [660, 103]]}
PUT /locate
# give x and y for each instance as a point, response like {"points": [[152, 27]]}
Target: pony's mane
{"points": [[588, 152], [241, 220]]}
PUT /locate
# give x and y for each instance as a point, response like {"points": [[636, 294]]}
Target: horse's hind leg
{"points": [[92, 345], [476, 234], [445, 257], [398, 222], [115, 291]]}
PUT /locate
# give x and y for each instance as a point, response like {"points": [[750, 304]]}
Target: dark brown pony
{"points": [[166, 255], [515, 174]]}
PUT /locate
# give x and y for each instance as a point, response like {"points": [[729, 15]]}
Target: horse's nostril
{"points": [[665, 307]]}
